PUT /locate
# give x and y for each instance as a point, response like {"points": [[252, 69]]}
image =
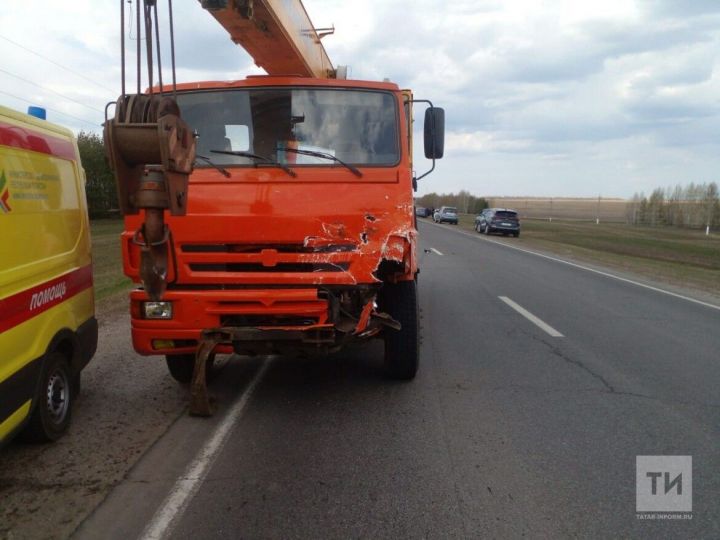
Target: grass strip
{"points": [[107, 260], [679, 257]]}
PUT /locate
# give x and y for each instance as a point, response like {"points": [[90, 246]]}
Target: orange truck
{"points": [[276, 213]]}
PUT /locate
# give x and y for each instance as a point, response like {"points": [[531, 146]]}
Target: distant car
{"points": [[446, 214], [501, 220], [421, 211]]}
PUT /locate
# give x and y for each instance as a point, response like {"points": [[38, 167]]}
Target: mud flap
{"points": [[200, 402]]}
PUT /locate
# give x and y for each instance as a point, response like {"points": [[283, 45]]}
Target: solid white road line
{"points": [[530, 317], [436, 251], [575, 265], [186, 486]]}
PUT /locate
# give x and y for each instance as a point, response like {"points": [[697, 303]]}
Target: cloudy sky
{"points": [[554, 98]]}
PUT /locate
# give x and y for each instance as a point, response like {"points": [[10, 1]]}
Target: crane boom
{"points": [[278, 34]]}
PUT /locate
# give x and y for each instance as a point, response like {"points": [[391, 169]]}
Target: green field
{"points": [[580, 209], [680, 257], [107, 262]]}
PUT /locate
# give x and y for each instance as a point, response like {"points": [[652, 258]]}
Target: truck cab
{"points": [[299, 231]]}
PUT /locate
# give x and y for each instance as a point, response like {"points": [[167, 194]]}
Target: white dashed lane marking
{"points": [[530, 317]]}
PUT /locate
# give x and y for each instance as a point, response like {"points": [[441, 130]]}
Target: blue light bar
{"points": [[37, 112]]}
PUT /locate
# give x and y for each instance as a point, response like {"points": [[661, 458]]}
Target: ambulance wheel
{"points": [[53, 404], [402, 347], [181, 367], [76, 384]]}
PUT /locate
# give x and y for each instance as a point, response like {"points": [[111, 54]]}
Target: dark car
{"points": [[501, 220], [446, 214]]}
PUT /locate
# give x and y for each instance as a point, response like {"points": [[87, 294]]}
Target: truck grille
{"points": [[266, 320], [280, 267], [318, 260], [259, 248]]}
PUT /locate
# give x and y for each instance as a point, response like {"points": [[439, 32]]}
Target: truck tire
{"points": [[181, 367], [402, 347], [53, 403]]}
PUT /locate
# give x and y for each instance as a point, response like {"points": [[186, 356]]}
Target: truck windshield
{"points": [[358, 127]]}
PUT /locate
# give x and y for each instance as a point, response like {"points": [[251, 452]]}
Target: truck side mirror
{"points": [[434, 136], [434, 132]]}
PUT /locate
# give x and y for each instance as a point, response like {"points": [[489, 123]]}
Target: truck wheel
{"points": [[53, 403], [402, 347], [181, 367]]}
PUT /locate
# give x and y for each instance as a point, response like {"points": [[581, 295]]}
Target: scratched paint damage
{"points": [[387, 239]]}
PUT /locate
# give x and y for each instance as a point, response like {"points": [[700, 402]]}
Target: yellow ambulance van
{"points": [[48, 330]]}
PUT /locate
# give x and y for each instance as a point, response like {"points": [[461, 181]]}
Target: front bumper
{"points": [[262, 321], [297, 310]]}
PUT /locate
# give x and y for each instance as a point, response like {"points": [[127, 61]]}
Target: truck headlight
{"points": [[157, 310]]}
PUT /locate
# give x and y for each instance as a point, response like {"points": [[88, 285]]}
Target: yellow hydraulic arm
{"points": [[277, 34]]}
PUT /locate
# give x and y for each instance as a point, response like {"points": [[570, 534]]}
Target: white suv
{"points": [[447, 214]]}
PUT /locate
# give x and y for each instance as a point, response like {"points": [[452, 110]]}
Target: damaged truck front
{"points": [[298, 229]]}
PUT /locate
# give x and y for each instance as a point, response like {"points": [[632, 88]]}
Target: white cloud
{"points": [[480, 142], [552, 98]]}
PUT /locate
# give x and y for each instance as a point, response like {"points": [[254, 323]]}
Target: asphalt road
{"points": [[507, 431]]}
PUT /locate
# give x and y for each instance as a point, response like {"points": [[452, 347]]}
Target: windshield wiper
{"points": [[314, 153], [207, 160], [257, 156]]}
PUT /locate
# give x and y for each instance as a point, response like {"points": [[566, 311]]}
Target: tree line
{"points": [[100, 184], [691, 206], [465, 202]]}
